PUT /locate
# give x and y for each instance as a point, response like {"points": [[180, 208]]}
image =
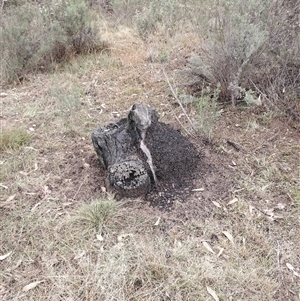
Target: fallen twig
{"points": [[278, 261], [290, 197], [179, 102], [236, 146], [79, 188]]}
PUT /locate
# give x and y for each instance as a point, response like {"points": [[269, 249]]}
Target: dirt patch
{"points": [[73, 176]]}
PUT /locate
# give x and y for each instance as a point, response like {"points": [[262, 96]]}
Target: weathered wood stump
{"points": [[121, 148]]}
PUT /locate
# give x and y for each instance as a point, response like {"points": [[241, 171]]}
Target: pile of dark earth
{"points": [[187, 172], [177, 165]]}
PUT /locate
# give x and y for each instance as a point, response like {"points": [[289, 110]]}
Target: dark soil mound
{"points": [[174, 156], [175, 160]]}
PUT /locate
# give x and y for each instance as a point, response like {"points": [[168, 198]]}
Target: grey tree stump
{"points": [[121, 149]]}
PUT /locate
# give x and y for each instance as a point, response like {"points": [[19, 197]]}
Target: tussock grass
{"points": [[13, 139], [98, 213]]}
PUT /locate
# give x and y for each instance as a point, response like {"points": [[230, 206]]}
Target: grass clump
{"points": [[13, 139], [208, 112], [98, 214], [34, 36]]}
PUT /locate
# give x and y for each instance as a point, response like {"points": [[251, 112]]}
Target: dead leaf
{"points": [[289, 266], [118, 246], [220, 252], [212, 293], [46, 190], [52, 260], [296, 274], [15, 266], [3, 186], [35, 206], [269, 212], [30, 286], [278, 217], [251, 209], [279, 206], [216, 204], [229, 236], [177, 244], [5, 255], [198, 189], [157, 222], [207, 247], [233, 201], [8, 201]]}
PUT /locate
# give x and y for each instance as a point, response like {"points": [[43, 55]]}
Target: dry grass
{"points": [[72, 242]]}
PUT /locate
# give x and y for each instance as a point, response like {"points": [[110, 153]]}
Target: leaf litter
{"points": [[207, 247], [31, 286], [229, 236], [233, 201], [2, 257], [212, 293]]}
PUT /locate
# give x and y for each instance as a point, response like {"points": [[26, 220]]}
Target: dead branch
{"points": [[179, 102]]}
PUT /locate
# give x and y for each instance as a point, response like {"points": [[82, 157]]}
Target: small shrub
{"points": [[250, 45], [235, 35], [13, 139], [276, 73], [34, 36]]}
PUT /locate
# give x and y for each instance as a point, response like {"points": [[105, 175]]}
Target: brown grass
{"points": [[74, 242]]}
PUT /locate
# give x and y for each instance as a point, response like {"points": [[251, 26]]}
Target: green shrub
{"points": [[34, 36], [277, 72], [250, 45], [13, 139], [235, 35]]}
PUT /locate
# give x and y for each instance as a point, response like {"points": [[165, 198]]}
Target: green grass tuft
{"points": [[13, 139], [98, 213]]}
